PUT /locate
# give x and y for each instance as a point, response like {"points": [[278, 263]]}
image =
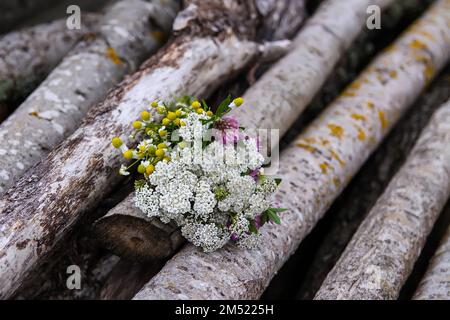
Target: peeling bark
{"points": [[382, 253], [274, 102], [435, 284], [55, 109], [316, 168], [46, 203], [347, 213], [28, 55]]}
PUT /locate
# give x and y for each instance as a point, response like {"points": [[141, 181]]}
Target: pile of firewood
{"points": [[364, 122]]}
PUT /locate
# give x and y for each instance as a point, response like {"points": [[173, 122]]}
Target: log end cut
{"points": [[135, 238]]}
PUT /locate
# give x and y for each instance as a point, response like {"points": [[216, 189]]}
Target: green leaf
{"points": [[264, 218], [278, 209], [252, 227], [223, 107], [139, 184], [205, 105], [273, 216]]}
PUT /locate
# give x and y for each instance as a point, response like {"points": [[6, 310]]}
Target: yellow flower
{"points": [[155, 104], [116, 142], [159, 153], [177, 121], [196, 104], [238, 101], [128, 154], [200, 110], [150, 169], [145, 115], [165, 121], [162, 133], [141, 169], [178, 113], [162, 145], [137, 125], [209, 113], [171, 115]]}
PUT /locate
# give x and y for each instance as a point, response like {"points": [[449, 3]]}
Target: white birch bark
{"points": [[28, 55], [346, 214], [57, 106], [316, 168], [435, 284], [274, 102], [382, 253], [46, 203]]}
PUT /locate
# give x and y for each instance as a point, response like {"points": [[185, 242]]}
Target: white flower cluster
{"points": [[214, 194]]}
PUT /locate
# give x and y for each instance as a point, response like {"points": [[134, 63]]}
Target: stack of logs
{"points": [[364, 134]]}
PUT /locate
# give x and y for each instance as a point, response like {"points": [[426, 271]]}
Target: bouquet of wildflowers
{"points": [[201, 170]]}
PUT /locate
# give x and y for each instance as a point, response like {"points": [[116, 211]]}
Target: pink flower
{"points": [[227, 129]]}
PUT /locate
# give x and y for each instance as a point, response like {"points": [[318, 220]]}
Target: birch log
{"points": [[213, 42], [274, 102], [435, 284], [347, 213], [57, 106], [28, 55], [316, 168], [382, 253]]}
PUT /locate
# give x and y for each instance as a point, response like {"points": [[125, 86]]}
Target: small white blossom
{"points": [[123, 170]]}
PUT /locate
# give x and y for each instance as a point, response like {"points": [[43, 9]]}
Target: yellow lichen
{"points": [[112, 55], [336, 182], [335, 156], [310, 140], [393, 74], [355, 85], [324, 167], [307, 147], [427, 35], [383, 120], [361, 134], [336, 130], [324, 141], [358, 116], [428, 72], [348, 94], [417, 44]]}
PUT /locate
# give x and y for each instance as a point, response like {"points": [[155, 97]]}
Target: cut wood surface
{"points": [[382, 253], [55, 109], [46, 203], [346, 214], [28, 55], [316, 168], [274, 102], [435, 284]]}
